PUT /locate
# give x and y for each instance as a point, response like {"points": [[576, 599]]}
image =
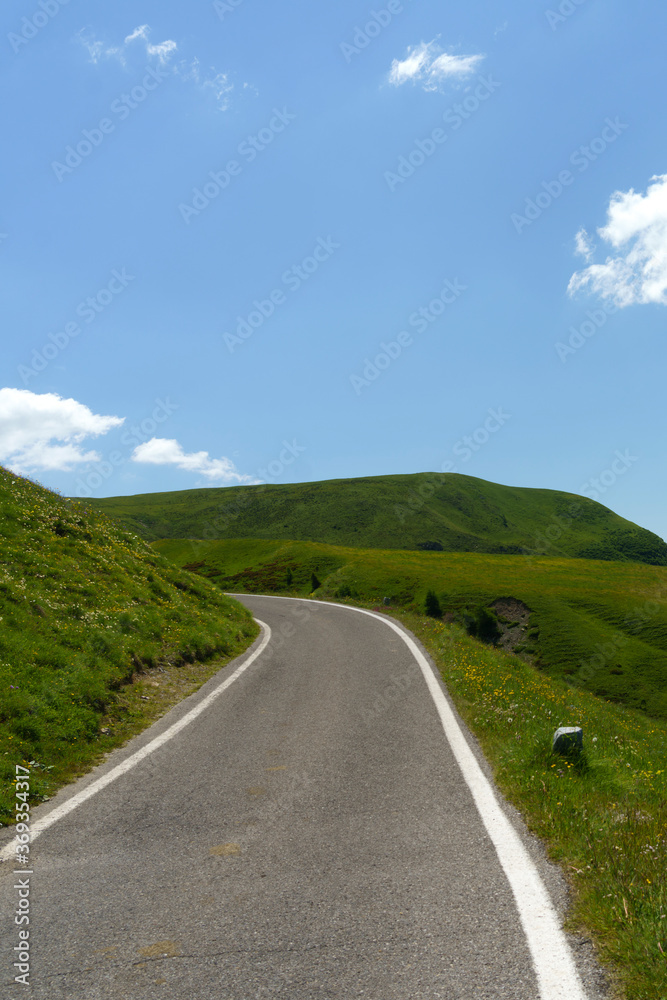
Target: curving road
{"points": [[307, 832]]}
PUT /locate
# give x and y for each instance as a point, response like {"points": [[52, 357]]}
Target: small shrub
{"points": [[432, 605], [487, 626], [482, 624]]}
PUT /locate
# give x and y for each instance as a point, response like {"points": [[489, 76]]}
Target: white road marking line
{"points": [[554, 966], [40, 825]]}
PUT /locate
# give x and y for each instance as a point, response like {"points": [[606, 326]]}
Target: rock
{"points": [[568, 738]]}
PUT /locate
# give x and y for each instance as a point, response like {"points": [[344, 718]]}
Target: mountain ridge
{"points": [[452, 512]]}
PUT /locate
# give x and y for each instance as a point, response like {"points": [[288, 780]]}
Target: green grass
{"points": [[94, 625], [601, 626], [453, 513], [602, 815], [85, 608]]}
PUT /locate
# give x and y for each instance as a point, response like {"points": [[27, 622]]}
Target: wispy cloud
{"points": [[412, 67], [98, 50], [46, 432], [637, 230], [211, 81], [583, 244], [140, 32], [165, 451], [220, 87], [163, 51], [428, 65]]}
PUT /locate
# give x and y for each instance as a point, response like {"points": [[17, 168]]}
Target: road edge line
{"points": [[40, 825], [554, 966]]}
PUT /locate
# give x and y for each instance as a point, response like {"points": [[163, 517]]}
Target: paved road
{"points": [[309, 835]]}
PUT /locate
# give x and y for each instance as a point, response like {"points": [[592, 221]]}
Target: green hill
{"points": [[590, 611], [85, 607], [451, 513], [600, 626]]}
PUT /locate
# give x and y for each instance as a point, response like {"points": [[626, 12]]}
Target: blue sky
{"points": [[251, 241]]}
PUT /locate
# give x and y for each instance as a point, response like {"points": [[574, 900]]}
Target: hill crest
{"points": [[452, 513]]}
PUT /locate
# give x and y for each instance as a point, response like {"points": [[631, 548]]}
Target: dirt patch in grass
{"points": [[514, 624]]}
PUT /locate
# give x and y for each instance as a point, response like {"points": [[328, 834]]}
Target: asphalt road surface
{"points": [[310, 834]]}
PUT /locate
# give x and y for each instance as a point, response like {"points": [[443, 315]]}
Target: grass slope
{"points": [[85, 607], [454, 513], [602, 815], [598, 625]]}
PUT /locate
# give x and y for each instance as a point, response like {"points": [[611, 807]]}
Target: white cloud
{"points": [[583, 244], [221, 88], [209, 82], [427, 64], [163, 51], [45, 432], [164, 451], [448, 65], [212, 82], [412, 66], [97, 50], [637, 230], [140, 32]]}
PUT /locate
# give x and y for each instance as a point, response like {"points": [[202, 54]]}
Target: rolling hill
{"points": [[86, 607], [428, 511], [600, 626]]}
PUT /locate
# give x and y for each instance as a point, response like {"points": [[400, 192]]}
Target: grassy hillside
{"points": [[591, 624], [85, 606], [602, 814], [453, 513], [601, 626], [87, 610]]}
